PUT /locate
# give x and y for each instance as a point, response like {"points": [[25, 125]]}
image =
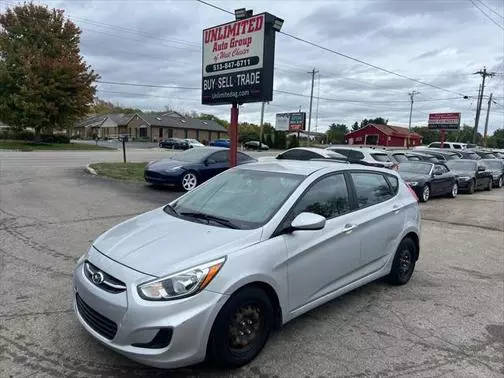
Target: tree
{"points": [[103, 107], [45, 82], [336, 133], [377, 120], [211, 117], [355, 126], [497, 139]]}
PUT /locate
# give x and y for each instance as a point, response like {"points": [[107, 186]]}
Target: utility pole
{"points": [[483, 74], [262, 119], [312, 72], [412, 96], [486, 120]]}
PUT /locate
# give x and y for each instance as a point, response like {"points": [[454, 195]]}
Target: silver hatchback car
{"points": [[215, 271]]}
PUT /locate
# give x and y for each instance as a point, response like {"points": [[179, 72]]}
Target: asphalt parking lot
{"points": [[448, 321]]}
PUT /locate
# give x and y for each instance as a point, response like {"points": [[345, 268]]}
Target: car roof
{"points": [[440, 151], [365, 149], [307, 167], [317, 150]]}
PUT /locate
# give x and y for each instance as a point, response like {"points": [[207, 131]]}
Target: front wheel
{"points": [[500, 183], [425, 194], [241, 328], [404, 263], [489, 186], [454, 191], [189, 181]]}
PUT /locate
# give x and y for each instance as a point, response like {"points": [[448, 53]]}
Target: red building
{"points": [[383, 135]]}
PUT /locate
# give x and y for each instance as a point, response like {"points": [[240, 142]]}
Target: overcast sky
{"points": [[440, 42]]}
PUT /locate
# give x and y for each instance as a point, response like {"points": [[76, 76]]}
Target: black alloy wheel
{"points": [[404, 263], [471, 187], [454, 191], [241, 328], [424, 197], [501, 182]]}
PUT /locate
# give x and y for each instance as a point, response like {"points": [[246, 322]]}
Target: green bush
{"points": [[60, 138], [13, 134], [292, 142]]}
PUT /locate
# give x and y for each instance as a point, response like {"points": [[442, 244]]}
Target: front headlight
{"points": [[182, 284], [173, 168], [412, 183]]}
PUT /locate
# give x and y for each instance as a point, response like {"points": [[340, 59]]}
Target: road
{"points": [[448, 321]]}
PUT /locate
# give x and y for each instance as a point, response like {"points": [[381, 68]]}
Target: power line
{"points": [[147, 85], [348, 56], [487, 15], [490, 9]]}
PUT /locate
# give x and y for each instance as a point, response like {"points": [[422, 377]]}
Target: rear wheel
{"points": [[501, 182], [241, 328], [404, 263], [454, 191], [425, 193]]}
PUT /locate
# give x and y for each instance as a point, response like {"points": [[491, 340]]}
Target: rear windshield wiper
{"points": [[211, 218]]}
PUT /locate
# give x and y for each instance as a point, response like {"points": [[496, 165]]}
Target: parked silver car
{"points": [[215, 271]]}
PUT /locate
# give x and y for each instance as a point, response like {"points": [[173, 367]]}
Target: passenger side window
{"points": [[438, 169], [243, 157], [327, 197], [220, 157], [370, 188], [341, 151], [292, 155], [355, 155], [394, 183]]}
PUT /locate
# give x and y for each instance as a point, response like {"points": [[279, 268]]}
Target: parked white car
{"points": [[370, 156], [450, 145], [194, 143]]}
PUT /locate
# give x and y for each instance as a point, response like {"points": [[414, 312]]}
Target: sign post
{"points": [[238, 65], [443, 122]]}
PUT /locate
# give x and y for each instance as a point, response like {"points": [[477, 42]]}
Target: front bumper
{"points": [[463, 184], [139, 321], [162, 178]]}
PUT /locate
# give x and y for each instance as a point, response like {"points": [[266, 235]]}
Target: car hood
{"points": [[158, 244], [409, 176], [165, 164], [462, 173]]}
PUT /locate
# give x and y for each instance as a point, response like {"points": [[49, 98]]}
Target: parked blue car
{"points": [[190, 168], [221, 143]]}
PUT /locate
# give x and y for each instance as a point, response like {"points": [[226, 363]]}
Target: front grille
{"points": [[153, 175], [101, 324], [105, 281]]}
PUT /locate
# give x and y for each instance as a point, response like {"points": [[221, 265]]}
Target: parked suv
{"points": [[369, 156], [450, 145], [215, 271]]}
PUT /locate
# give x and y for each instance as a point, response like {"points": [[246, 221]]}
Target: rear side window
{"points": [[370, 188], [355, 155], [327, 197], [435, 145], [457, 146], [342, 152], [380, 157], [401, 158], [220, 157], [394, 183], [243, 157]]}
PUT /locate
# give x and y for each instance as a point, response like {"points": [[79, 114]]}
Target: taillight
{"points": [[412, 192]]}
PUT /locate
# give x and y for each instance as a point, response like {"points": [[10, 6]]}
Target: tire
{"points": [[472, 187], [425, 195], [404, 263], [241, 328], [501, 182], [189, 181], [489, 186], [454, 191]]}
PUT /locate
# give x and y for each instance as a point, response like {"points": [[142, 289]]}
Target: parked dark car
{"points": [[471, 175], [468, 154], [174, 143], [442, 155], [309, 153], [484, 154], [418, 156], [429, 179], [220, 143], [190, 168], [496, 167], [256, 145]]}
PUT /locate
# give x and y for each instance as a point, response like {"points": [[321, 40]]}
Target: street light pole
{"points": [[313, 72], [412, 95], [486, 120]]}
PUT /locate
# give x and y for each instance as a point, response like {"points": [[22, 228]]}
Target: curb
{"points": [[91, 170]]}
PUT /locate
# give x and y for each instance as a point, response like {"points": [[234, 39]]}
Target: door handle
{"points": [[349, 227], [396, 209]]}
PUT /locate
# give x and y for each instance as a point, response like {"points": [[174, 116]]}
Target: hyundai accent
{"points": [[211, 274]]}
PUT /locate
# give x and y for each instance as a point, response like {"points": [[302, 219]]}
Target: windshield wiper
{"points": [[211, 218]]}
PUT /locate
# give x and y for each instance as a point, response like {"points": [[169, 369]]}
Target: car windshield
{"points": [[472, 156], [380, 157], [493, 164], [452, 156], [228, 197], [420, 168], [194, 155], [462, 165]]}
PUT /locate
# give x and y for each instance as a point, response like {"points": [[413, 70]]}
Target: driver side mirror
{"points": [[481, 168], [308, 221], [438, 173]]}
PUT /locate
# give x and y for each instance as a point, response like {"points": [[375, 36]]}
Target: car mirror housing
{"points": [[308, 221], [481, 169]]}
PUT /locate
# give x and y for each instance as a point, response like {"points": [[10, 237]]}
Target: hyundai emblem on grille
{"points": [[97, 277]]}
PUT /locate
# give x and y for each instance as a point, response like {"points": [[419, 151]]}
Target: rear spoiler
{"points": [[347, 161]]}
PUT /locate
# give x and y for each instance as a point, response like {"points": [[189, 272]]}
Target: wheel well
{"points": [[414, 238], [272, 295]]}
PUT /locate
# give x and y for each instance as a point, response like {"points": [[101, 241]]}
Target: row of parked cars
{"points": [[185, 144]]}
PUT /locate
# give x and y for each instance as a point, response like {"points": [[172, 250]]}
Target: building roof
{"points": [[176, 120], [390, 130]]}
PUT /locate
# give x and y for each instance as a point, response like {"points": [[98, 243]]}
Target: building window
{"points": [[143, 132], [170, 133], [161, 132]]}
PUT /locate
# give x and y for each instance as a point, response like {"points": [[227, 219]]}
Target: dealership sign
{"points": [[444, 121], [290, 121], [238, 60]]}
